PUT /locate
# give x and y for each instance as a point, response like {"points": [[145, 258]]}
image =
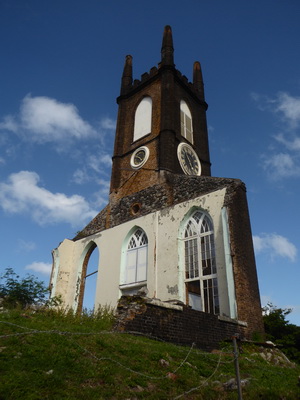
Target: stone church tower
{"points": [[169, 227]]}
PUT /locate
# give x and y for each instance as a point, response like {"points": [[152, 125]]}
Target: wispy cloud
{"points": [[96, 162], [81, 176], [283, 161], [25, 245], [281, 165], [292, 144], [288, 107], [41, 267], [108, 123], [275, 245], [47, 120], [101, 196], [22, 194], [95, 165]]}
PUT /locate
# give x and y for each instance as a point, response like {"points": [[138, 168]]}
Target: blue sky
{"points": [[60, 74]]}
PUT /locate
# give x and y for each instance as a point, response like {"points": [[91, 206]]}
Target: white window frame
{"points": [[186, 122], [136, 263], [200, 264], [143, 118]]}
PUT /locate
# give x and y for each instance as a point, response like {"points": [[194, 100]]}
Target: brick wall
{"points": [[177, 324], [175, 189], [244, 268]]}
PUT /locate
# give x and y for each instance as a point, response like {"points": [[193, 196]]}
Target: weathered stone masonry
{"points": [[158, 199], [175, 323], [174, 190]]}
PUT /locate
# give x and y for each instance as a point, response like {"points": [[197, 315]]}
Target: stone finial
{"points": [[167, 50], [198, 79], [127, 75]]}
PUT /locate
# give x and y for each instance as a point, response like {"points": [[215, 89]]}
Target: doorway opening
{"points": [[89, 279]]}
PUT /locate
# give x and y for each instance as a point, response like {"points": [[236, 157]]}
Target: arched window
{"points": [[200, 264], [136, 258], [143, 118], [88, 279], [186, 121]]}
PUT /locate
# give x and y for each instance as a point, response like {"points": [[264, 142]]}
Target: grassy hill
{"points": [[56, 355]]}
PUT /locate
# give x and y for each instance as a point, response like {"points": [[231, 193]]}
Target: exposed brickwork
{"points": [[166, 87], [174, 190], [161, 183], [185, 326], [245, 275], [97, 224], [180, 188]]}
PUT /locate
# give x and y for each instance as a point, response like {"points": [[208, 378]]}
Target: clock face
{"points": [[139, 157], [188, 159]]}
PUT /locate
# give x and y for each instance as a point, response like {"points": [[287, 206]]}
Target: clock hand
{"points": [[191, 161], [187, 160]]}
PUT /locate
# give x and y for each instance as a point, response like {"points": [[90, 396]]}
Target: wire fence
{"points": [[219, 360]]}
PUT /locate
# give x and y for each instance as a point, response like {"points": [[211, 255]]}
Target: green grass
{"points": [[57, 355]]}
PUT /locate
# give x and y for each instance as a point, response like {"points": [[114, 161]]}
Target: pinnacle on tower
{"points": [[198, 79], [167, 50], [127, 75]]}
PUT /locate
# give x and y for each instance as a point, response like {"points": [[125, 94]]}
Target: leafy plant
{"points": [[281, 332], [58, 354], [21, 292]]}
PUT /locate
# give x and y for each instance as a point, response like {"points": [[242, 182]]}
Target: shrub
{"points": [[21, 292]]}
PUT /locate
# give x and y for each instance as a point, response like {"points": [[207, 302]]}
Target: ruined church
{"points": [[170, 229]]}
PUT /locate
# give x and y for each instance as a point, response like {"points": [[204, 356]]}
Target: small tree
{"points": [[21, 292], [275, 321], [281, 332]]}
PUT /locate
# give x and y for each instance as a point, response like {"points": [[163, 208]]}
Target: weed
{"points": [[57, 354]]}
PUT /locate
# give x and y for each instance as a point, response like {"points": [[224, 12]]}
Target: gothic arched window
{"points": [[200, 264], [186, 122], [136, 257], [143, 118]]}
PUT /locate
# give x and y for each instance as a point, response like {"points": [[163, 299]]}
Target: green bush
{"points": [[21, 292], [281, 332]]}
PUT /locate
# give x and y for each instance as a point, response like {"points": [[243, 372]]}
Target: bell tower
{"points": [[161, 126], [170, 229]]}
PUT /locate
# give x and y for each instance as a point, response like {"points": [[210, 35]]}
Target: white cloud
{"points": [[282, 104], [96, 162], [24, 245], [293, 145], [108, 123], [47, 120], [275, 244], [81, 176], [283, 162], [281, 165], [289, 108], [22, 194], [101, 196], [9, 123], [41, 267], [106, 160], [95, 166]]}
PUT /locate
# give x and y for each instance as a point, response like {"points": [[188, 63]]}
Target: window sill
{"points": [[132, 285]]}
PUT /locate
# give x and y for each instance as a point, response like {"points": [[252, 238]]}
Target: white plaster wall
{"points": [[63, 271], [165, 277], [170, 251]]}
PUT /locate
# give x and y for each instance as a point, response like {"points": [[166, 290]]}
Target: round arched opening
{"points": [[89, 277]]}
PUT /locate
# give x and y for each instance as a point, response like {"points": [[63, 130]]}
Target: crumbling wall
{"points": [[175, 323]]}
